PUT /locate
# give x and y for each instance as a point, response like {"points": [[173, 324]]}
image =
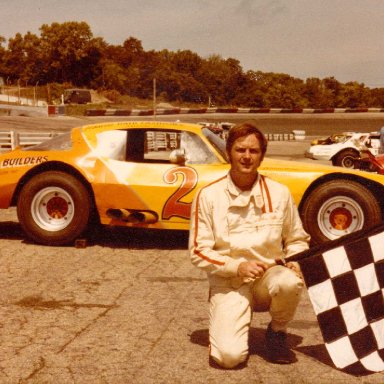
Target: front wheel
{"points": [[337, 208], [346, 158], [54, 208]]}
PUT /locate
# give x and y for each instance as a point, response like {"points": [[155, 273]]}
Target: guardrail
{"points": [[10, 140], [281, 136], [212, 110]]}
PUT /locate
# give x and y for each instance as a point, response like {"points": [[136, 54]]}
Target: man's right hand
{"points": [[251, 269]]}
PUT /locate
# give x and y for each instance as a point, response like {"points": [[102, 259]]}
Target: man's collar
{"points": [[236, 191]]}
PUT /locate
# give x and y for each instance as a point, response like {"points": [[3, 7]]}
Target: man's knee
{"points": [[229, 357], [287, 283]]}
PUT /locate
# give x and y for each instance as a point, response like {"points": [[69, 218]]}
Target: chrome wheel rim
{"points": [[52, 209], [340, 216]]}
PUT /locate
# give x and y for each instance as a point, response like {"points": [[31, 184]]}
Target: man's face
{"points": [[246, 155]]}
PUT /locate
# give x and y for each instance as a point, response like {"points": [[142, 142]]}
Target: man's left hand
{"points": [[295, 267]]}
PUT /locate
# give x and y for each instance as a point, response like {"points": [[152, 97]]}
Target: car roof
{"points": [[92, 130], [160, 125]]}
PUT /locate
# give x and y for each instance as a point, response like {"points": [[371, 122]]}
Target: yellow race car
{"points": [[145, 174]]}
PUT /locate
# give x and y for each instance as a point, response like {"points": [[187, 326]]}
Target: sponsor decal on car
{"points": [[22, 161]]}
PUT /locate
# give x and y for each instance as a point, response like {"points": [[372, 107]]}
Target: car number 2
{"points": [[174, 206]]}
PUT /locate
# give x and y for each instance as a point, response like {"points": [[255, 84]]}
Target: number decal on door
{"points": [[174, 206]]}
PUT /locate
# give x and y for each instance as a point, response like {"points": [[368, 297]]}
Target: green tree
{"points": [[254, 90], [320, 93], [175, 77], [14, 58], [223, 78], [2, 56], [22, 60], [377, 95], [112, 76], [186, 62], [354, 95], [333, 88], [148, 66], [131, 52], [70, 53]]}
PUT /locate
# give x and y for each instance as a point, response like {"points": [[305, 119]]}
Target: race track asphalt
{"points": [[313, 124], [129, 308]]}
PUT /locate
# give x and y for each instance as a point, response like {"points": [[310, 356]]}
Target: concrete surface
{"points": [[128, 308]]}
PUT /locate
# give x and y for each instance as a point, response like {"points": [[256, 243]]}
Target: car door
{"points": [[154, 174]]}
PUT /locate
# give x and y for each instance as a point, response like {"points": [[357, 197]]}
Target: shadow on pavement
{"points": [[257, 345], [136, 238], [256, 340], [113, 237], [11, 230]]}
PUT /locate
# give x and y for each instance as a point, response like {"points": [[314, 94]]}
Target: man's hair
{"points": [[242, 130]]}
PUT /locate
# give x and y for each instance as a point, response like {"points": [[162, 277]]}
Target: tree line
{"points": [[68, 54]]}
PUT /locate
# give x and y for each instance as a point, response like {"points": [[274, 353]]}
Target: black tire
{"points": [[54, 208], [337, 208], [345, 158]]}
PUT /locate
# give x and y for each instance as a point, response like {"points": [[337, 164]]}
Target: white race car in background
{"points": [[343, 149]]}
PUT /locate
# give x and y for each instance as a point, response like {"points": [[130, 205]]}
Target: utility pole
{"points": [[35, 98], [154, 98], [18, 91]]}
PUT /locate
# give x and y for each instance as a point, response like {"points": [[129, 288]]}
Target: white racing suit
{"points": [[230, 226]]}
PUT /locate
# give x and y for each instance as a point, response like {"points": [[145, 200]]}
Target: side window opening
{"points": [[135, 146], [160, 144], [153, 146]]}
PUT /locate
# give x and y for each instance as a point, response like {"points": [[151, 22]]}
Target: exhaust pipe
{"points": [[133, 216]]}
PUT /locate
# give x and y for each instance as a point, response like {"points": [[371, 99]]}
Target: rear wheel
{"points": [[346, 158], [337, 208], [54, 208]]}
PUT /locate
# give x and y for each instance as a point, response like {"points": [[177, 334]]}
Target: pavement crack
{"points": [[95, 320], [82, 330], [40, 366]]}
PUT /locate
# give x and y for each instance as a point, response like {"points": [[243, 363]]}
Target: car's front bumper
{"points": [[313, 156]]}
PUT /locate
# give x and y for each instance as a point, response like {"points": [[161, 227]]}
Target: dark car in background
{"points": [[77, 96]]}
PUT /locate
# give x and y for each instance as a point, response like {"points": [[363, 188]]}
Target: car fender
{"points": [[49, 166], [374, 186], [344, 149]]}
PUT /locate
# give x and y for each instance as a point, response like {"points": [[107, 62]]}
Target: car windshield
{"points": [[216, 141], [60, 142], [341, 138]]}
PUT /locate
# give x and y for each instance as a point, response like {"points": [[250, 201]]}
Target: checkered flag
{"points": [[345, 282]]}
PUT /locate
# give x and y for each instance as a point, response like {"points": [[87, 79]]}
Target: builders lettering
{"points": [[22, 161]]}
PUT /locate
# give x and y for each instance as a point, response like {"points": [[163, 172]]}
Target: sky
{"points": [[302, 38]]}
